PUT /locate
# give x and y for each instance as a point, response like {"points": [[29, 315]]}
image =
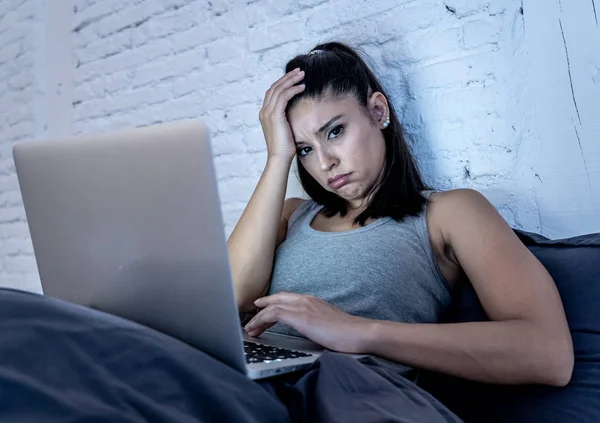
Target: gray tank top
{"points": [[385, 270]]}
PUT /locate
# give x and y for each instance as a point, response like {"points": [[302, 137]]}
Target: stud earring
{"points": [[386, 123]]}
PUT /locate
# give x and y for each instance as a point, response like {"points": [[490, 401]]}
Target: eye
{"points": [[336, 132], [303, 151]]}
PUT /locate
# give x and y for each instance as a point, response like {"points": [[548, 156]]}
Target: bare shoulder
{"points": [[446, 207], [469, 225], [444, 211], [290, 206], [456, 195]]}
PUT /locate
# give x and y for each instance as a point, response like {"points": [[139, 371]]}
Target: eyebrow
{"points": [[328, 124], [324, 127]]}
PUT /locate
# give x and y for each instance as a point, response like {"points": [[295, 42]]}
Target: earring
{"points": [[386, 123]]}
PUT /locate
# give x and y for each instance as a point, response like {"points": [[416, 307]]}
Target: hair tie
{"points": [[316, 52]]}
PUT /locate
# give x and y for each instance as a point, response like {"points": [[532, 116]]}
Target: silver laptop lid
{"points": [[130, 223]]}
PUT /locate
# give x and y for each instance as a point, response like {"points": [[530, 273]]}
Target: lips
{"points": [[339, 181]]}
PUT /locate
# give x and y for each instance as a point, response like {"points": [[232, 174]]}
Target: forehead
{"points": [[310, 114]]}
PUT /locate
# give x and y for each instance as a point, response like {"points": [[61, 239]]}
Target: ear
{"points": [[378, 106]]}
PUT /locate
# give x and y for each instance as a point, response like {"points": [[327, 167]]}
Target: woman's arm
{"points": [[527, 341], [259, 231], [262, 226]]}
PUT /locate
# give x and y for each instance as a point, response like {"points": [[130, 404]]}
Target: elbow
{"points": [[245, 297], [562, 370], [244, 304], [245, 307], [557, 368]]}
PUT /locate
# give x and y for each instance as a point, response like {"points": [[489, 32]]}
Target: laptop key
{"points": [[258, 353]]}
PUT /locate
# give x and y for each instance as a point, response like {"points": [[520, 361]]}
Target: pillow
{"points": [[575, 266]]}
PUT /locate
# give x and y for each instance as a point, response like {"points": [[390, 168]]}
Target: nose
{"points": [[327, 161]]}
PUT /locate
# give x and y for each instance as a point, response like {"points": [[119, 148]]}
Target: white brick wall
{"points": [[483, 88], [18, 87]]}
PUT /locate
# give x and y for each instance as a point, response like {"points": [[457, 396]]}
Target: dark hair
{"points": [[337, 70]]}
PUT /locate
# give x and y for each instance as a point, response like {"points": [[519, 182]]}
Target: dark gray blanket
{"points": [[64, 363]]}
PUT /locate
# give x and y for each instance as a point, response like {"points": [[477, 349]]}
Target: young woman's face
{"points": [[339, 145]]}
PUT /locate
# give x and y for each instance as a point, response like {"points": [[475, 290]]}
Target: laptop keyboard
{"points": [[260, 353]]}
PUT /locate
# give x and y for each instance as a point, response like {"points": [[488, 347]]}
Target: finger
{"points": [[285, 85], [285, 79], [283, 313], [277, 83], [291, 92], [282, 87], [280, 298]]}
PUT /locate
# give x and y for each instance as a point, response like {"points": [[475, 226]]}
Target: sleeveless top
{"points": [[386, 270]]}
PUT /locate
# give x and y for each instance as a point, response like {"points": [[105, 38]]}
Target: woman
{"points": [[367, 265]]}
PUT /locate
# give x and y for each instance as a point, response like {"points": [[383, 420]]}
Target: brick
{"points": [[20, 264], [254, 139], [7, 167], [18, 115], [11, 198], [455, 106], [407, 18], [236, 189], [14, 230], [21, 130], [124, 100], [10, 280], [223, 73], [228, 143], [16, 246], [81, 5], [480, 33], [11, 50], [188, 84], [216, 120], [16, 66], [463, 8], [165, 24], [20, 81], [104, 47], [180, 64], [169, 45], [225, 49], [265, 38], [104, 84], [31, 282], [245, 115], [461, 72], [311, 3], [420, 46], [228, 166], [89, 15], [490, 163], [332, 15], [133, 16]]}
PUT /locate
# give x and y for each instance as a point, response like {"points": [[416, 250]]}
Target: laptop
{"points": [[130, 223]]}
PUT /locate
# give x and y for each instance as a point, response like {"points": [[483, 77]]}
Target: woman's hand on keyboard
{"points": [[314, 318]]}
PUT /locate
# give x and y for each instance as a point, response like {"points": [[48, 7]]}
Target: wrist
{"points": [[280, 159], [367, 336]]}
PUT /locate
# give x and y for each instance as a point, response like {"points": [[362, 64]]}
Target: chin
{"points": [[354, 194]]}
